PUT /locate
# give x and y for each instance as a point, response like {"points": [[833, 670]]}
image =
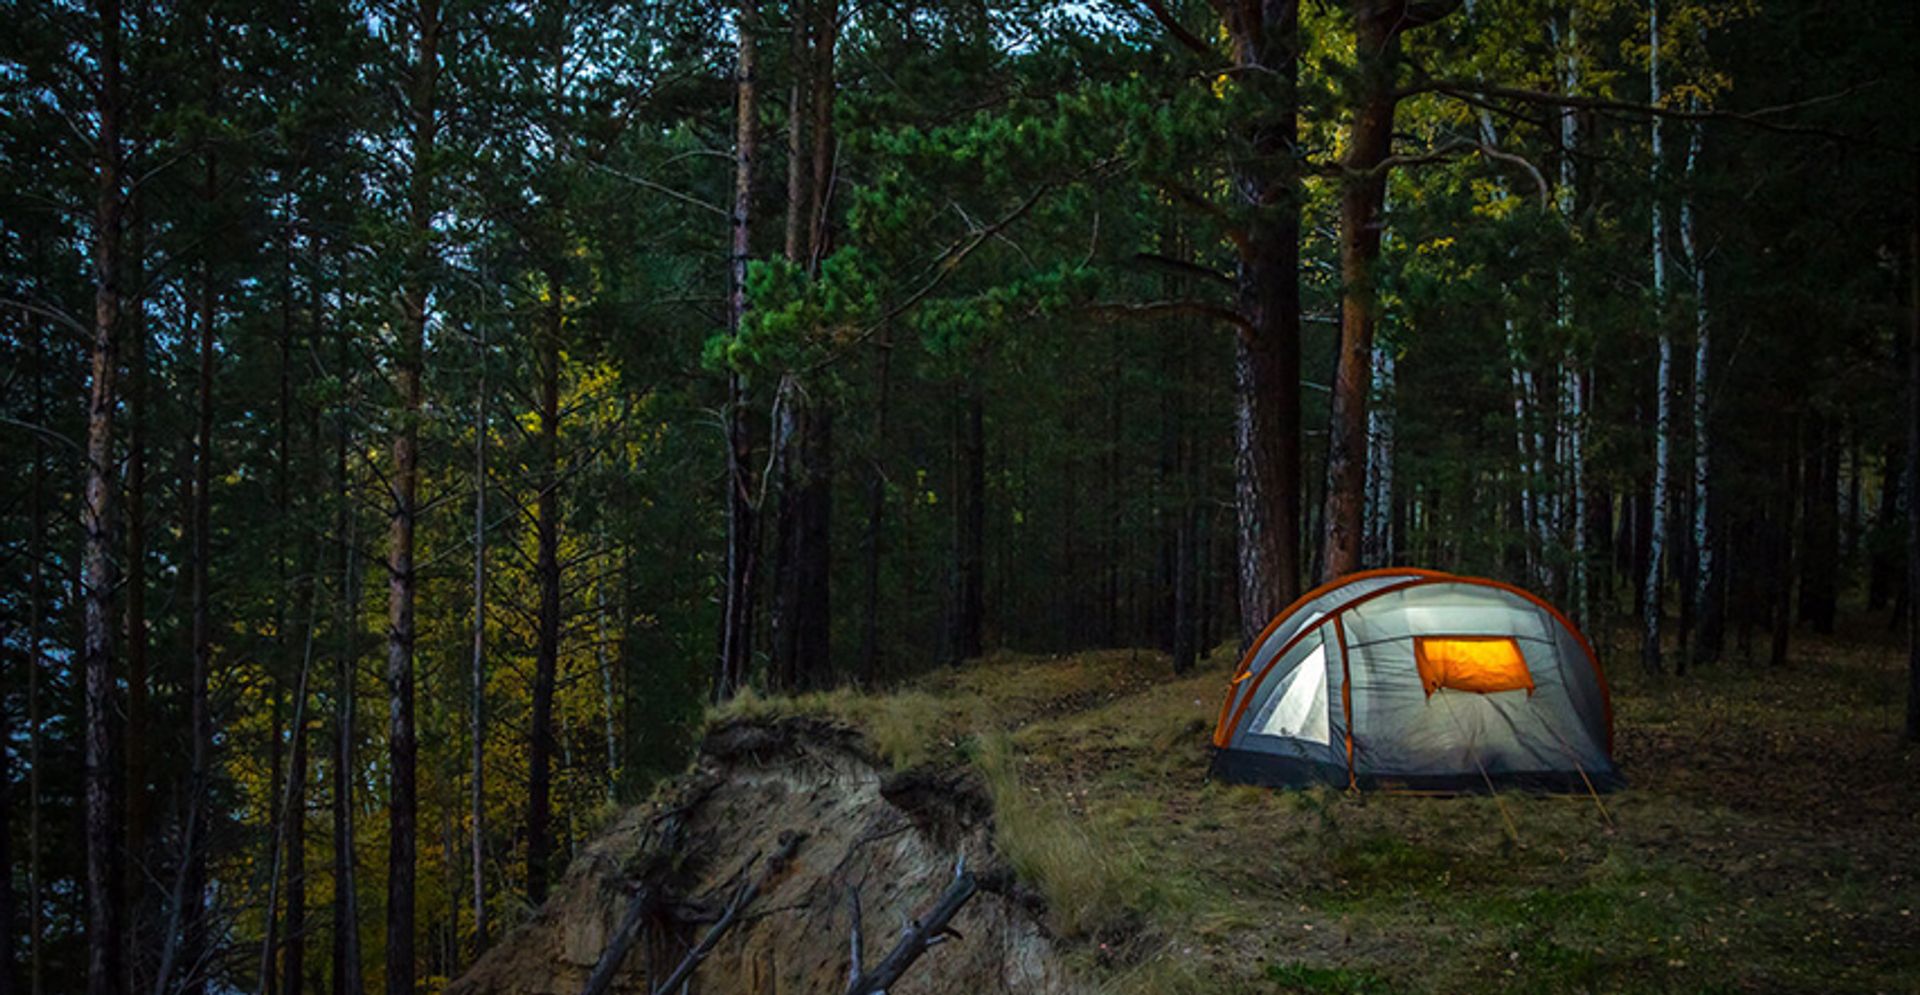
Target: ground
{"points": [[1768, 841]]}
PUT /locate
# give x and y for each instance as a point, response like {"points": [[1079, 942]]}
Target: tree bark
{"points": [[1378, 25], [798, 94], [402, 583], [1707, 640], [826, 32], [1913, 478], [739, 583], [541, 743], [1378, 547], [1267, 350], [802, 614], [136, 580], [1652, 607], [346, 918], [36, 605], [477, 689], [103, 837]]}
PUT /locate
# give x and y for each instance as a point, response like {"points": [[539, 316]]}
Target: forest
{"points": [[422, 417]]}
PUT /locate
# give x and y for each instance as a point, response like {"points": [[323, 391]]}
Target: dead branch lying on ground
{"points": [[920, 935], [789, 842]]}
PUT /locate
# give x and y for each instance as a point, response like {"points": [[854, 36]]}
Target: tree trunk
{"points": [[1573, 196], [1378, 547], [293, 940], [1267, 351], [1913, 480], [541, 744], [103, 837], [136, 582], [1652, 603], [346, 918], [802, 613], [826, 32], [477, 689], [1363, 194], [402, 583], [1708, 638], [738, 585], [36, 605], [799, 64]]}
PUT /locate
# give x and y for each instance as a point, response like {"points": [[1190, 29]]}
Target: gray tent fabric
{"points": [[1406, 679]]}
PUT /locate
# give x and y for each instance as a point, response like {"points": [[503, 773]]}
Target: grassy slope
{"points": [[1770, 842]]}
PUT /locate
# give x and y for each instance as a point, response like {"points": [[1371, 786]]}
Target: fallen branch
{"points": [[917, 938], [789, 842], [622, 941]]}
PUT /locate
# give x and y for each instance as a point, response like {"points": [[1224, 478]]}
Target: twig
{"points": [[854, 957]]}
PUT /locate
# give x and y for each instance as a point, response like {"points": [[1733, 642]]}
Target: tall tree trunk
{"points": [[1574, 194], [294, 945], [1379, 491], [738, 585], [136, 582], [1913, 476], [402, 583], [1707, 640], [546, 664], [1653, 604], [799, 64], [103, 837], [826, 33], [346, 917], [200, 777], [802, 613], [477, 688], [36, 662], [1377, 27], [1266, 379]]}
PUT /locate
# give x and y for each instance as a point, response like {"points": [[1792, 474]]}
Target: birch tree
{"points": [[1653, 603]]}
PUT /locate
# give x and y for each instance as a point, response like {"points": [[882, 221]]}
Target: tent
{"points": [[1407, 679]]}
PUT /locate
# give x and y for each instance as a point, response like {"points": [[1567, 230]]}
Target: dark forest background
{"points": [[416, 413]]}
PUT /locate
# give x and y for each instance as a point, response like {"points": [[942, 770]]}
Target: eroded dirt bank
{"points": [[894, 836]]}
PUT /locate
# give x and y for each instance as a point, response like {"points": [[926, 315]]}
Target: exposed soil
{"points": [[894, 836]]}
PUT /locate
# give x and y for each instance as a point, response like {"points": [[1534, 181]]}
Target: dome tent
{"points": [[1408, 679]]}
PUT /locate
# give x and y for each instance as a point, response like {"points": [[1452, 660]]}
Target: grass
{"points": [[1096, 887], [1770, 840]]}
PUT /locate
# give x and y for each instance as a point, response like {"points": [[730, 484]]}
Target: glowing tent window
{"points": [[1481, 664]]}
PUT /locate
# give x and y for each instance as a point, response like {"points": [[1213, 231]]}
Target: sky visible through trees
{"points": [[417, 412]]}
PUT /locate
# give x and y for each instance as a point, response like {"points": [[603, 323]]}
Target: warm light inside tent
{"points": [[1481, 664]]}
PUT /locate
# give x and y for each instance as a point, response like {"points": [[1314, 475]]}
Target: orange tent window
{"points": [[1481, 664]]}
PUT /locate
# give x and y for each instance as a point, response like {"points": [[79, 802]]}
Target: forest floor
{"points": [[1769, 842]]}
